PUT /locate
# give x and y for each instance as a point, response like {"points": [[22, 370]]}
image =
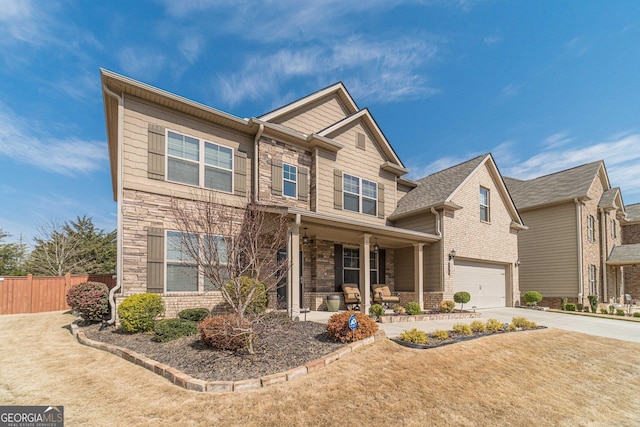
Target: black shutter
{"points": [[339, 277], [382, 271]]}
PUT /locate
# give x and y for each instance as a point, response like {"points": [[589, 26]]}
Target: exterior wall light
{"points": [[452, 254], [305, 239]]}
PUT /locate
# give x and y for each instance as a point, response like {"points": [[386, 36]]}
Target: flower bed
{"points": [[397, 318], [453, 338]]}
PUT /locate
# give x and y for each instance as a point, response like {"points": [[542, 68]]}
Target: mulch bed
{"points": [[455, 338], [281, 346]]}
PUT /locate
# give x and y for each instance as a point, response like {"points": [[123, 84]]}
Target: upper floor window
{"points": [[197, 162], [591, 228], [614, 228], [360, 195], [593, 281], [289, 180], [484, 204]]}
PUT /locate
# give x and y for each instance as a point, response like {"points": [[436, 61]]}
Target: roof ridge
{"points": [[563, 171], [338, 83], [453, 166]]}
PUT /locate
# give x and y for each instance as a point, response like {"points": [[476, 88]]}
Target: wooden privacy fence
{"points": [[29, 294]]}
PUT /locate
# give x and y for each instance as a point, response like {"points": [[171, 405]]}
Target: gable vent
{"points": [[360, 143]]}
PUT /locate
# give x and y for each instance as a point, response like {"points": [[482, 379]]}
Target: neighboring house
{"points": [[629, 253], [469, 206], [322, 158], [574, 221]]}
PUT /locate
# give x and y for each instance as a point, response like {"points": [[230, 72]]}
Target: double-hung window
{"points": [[591, 228], [351, 266], [593, 271], [182, 269], [360, 195], [197, 162], [289, 180], [484, 204], [614, 229]]}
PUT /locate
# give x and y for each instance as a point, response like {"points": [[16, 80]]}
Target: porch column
{"points": [[293, 282], [418, 272], [365, 274]]}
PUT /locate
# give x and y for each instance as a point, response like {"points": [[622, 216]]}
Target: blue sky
{"points": [[543, 85]]}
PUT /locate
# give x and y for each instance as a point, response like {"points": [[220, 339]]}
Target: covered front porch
{"points": [[326, 251], [622, 257]]}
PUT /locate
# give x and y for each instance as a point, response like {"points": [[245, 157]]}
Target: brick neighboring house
{"points": [[574, 218], [468, 205], [629, 253]]}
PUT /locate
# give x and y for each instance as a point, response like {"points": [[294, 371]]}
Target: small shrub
{"points": [[138, 312], [414, 336], [170, 329], [571, 307], [593, 303], [521, 322], [447, 306], [532, 298], [462, 298], [90, 300], [478, 326], [412, 308], [226, 332], [398, 309], [258, 304], [462, 329], [339, 330], [620, 312], [512, 327], [580, 306], [612, 309], [194, 314], [439, 335], [376, 310], [604, 311], [585, 309], [563, 303], [494, 325], [636, 314]]}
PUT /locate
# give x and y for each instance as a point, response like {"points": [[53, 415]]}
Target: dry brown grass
{"points": [[545, 377]]}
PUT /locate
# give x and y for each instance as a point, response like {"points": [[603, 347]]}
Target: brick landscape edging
{"points": [[188, 382]]}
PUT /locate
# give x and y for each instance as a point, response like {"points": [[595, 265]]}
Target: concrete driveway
{"points": [[609, 328]]}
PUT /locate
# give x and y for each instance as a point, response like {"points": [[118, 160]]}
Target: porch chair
{"points": [[351, 294], [382, 295]]}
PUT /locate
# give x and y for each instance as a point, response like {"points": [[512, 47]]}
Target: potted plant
{"points": [[333, 303]]}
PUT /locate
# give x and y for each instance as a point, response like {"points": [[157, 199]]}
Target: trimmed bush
{"points": [[194, 314], [413, 308], [226, 332], [580, 306], [636, 314], [447, 306], [494, 325], [398, 309], [462, 298], [604, 311], [90, 300], [376, 310], [563, 303], [478, 326], [414, 336], [170, 329], [512, 327], [439, 335], [532, 298], [612, 309], [571, 307], [138, 312], [258, 304], [338, 327], [620, 312], [462, 329], [593, 303], [521, 322]]}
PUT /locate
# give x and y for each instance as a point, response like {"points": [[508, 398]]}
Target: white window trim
{"points": [[593, 281], [591, 229], [288, 180], [488, 205], [361, 196], [201, 162], [614, 229]]}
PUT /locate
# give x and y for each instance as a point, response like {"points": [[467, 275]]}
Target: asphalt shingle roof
{"points": [[434, 189], [556, 187], [608, 198], [625, 254], [633, 212]]}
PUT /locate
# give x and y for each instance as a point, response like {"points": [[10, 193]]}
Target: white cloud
{"points": [[21, 141], [191, 47], [141, 62], [22, 21], [509, 91], [556, 140]]}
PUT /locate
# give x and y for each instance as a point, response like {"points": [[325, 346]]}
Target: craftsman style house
{"points": [[574, 219], [354, 218]]}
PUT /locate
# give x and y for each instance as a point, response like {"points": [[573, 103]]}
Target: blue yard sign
{"points": [[353, 323]]}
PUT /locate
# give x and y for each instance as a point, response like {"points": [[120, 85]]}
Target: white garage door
{"points": [[485, 282]]}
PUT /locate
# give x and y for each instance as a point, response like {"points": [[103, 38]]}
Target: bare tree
{"points": [[56, 252], [229, 243]]}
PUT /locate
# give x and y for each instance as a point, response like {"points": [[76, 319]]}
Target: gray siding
{"points": [[432, 268], [424, 222], [404, 269]]}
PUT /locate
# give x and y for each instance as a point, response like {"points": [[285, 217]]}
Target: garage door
{"points": [[485, 282]]}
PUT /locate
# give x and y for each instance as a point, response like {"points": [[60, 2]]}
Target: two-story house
{"points": [[628, 254], [321, 158], [574, 224]]}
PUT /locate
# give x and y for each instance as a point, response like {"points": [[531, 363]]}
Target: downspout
{"points": [[603, 252], [437, 215], [119, 243], [439, 234], [579, 233], [256, 162]]}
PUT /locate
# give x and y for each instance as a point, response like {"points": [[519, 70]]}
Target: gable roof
{"points": [[557, 187], [337, 88], [366, 117], [633, 212], [625, 255], [438, 189]]}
